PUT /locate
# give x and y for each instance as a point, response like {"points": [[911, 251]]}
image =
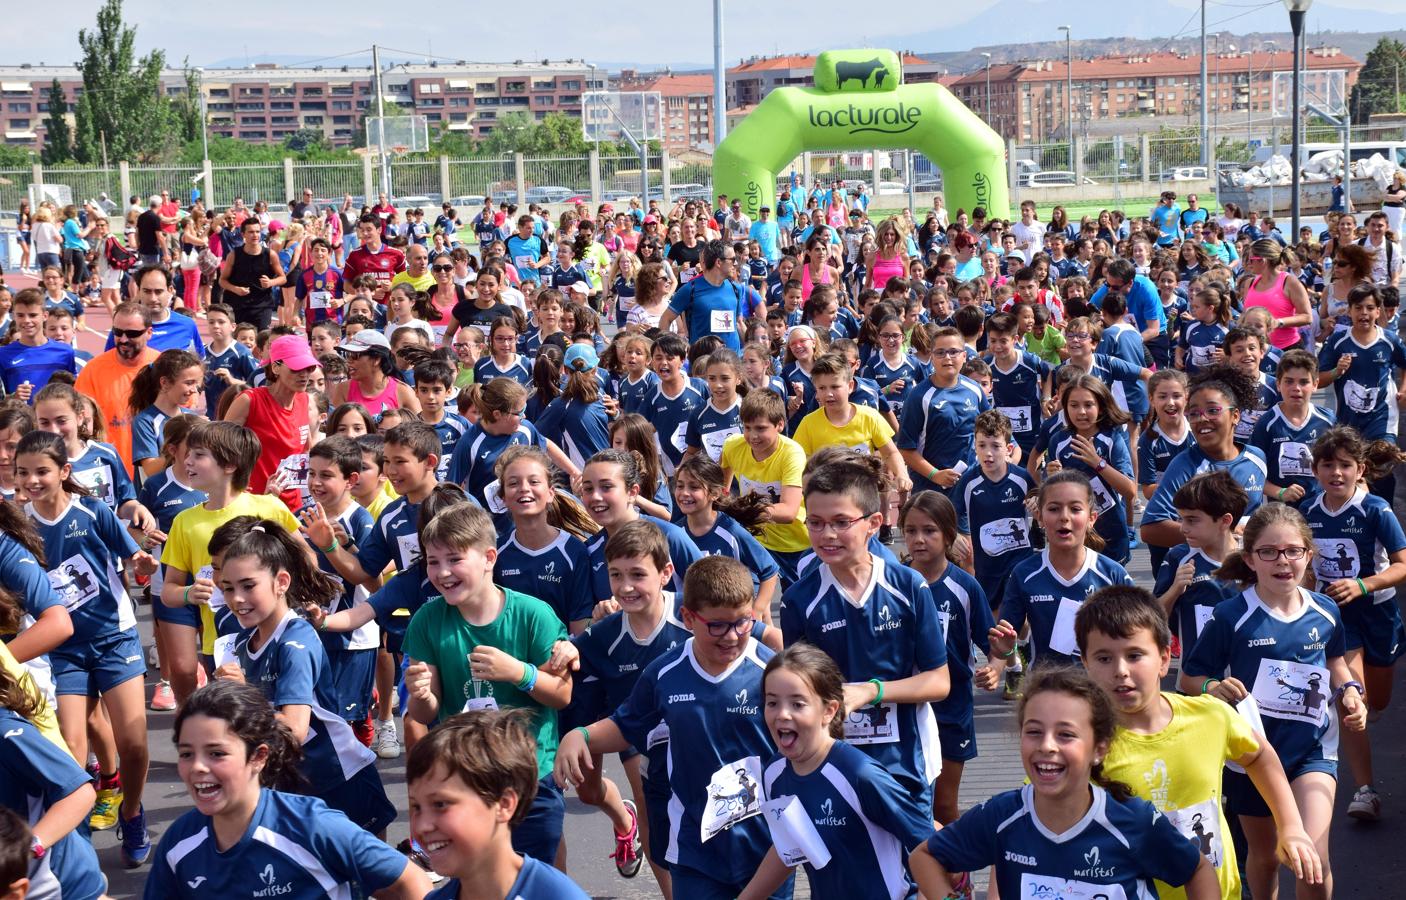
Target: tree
{"points": [[58, 135], [185, 109], [304, 140], [122, 100], [1375, 90]]}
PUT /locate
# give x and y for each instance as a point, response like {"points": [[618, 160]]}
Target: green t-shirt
{"points": [[1049, 348], [525, 630]]}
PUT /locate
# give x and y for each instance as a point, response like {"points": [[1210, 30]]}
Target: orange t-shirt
{"points": [[108, 380]]}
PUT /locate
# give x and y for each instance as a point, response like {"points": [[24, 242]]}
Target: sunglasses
{"points": [[441, 268], [130, 334]]}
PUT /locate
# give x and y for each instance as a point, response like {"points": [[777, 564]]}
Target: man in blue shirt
{"points": [[765, 232], [1144, 304], [1166, 215], [711, 303], [31, 359], [1192, 214], [526, 250], [168, 332]]}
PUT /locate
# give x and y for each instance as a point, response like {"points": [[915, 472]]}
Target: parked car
{"points": [[504, 196], [892, 187], [1053, 179], [466, 201], [412, 201], [928, 184], [549, 194], [691, 191], [618, 196], [1184, 173]]}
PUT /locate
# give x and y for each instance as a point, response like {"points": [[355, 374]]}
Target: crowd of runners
{"points": [[748, 508]]}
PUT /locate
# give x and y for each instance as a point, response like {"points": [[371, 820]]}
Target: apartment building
{"points": [[265, 103], [687, 102], [1027, 100]]}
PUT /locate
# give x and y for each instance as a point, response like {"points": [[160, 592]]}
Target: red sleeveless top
{"points": [[283, 443]]}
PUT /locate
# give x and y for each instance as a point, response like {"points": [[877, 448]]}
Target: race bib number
{"points": [[679, 439], [713, 442], [769, 489], [493, 495], [1050, 887], [872, 724], [294, 470], [1203, 355], [1360, 398], [793, 833], [74, 581], [1103, 497], [1004, 535], [224, 649], [1292, 690], [1200, 824], [1335, 558], [523, 262], [98, 483], [658, 735], [319, 299], [1203, 615], [475, 704], [217, 598], [1295, 459], [1021, 419], [721, 321], [409, 545], [687, 274], [734, 795], [1062, 637]]}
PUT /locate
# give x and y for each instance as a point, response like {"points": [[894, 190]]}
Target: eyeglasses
{"points": [[1270, 554], [949, 352], [504, 339], [891, 335], [1210, 412], [718, 628], [838, 526], [441, 268], [130, 334], [1073, 337]]}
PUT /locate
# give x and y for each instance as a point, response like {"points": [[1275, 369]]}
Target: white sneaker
{"points": [[387, 743], [153, 658], [1366, 805]]}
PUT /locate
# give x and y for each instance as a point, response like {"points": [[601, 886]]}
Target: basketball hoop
{"points": [[400, 149]]}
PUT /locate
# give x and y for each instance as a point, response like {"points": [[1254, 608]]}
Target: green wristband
{"points": [[1205, 684], [326, 550], [880, 686], [185, 598], [585, 733], [1363, 585]]}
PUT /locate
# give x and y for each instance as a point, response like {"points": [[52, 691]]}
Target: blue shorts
{"points": [[22, 237], [786, 563], [1376, 629], [691, 884], [362, 798], [353, 680], [94, 668], [994, 586], [1242, 797], [656, 811], [957, 739], [539, 835], [188, 616]]}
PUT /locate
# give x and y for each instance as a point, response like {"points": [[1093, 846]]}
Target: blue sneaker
{"points": [[136, 843]]}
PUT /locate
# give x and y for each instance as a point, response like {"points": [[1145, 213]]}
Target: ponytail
{"points": [[248, 715], [146, 387], [279, 551]]}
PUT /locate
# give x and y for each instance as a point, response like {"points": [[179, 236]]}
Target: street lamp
{"points": [[1231, 47], [1069, 85], [1298, 10], [989, 117], [204, 136], [1250, 86]]}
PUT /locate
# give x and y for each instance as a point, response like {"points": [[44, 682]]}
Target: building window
{"points": [[430, 88]]}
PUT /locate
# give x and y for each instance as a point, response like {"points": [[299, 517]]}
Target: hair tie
{"points": [[259, 529]]}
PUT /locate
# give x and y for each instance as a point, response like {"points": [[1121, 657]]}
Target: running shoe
{"points": [[365, 732], [1011, 691], [628, 848], [104, 814], [153, 657], [1366, 805], [136, 843], [163, 699], [387, 742]]}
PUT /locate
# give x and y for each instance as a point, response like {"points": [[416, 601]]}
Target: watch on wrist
{"points": [[37, 848]]}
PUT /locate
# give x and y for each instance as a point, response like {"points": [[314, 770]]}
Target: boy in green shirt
{"points": [[477, 647]]}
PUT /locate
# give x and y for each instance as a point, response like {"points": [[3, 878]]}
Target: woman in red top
{"points": [[283, 415]]}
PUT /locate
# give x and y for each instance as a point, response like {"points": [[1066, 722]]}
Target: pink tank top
{"points": [[807, 285], [378, 404], [886, 269], [1277, 301]]}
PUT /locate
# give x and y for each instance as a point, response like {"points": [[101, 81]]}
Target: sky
{"points": [[675, 32]]}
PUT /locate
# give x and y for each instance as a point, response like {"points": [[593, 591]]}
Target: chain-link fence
{"points": [[14, 187], [478, 178], [249, 183], [87, 183], [148, 180], [328, 181], [556, 179]]}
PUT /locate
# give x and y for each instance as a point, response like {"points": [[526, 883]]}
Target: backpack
{"points": [[118, 256]]}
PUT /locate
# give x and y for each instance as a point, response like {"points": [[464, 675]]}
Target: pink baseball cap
{"points": [[293, 351]]}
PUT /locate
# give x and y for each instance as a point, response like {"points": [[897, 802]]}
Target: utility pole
{"points": [[719, 78], [381, 124], [1205, 123], [1069, 86]]}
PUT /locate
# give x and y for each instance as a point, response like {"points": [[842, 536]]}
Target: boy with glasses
{"points": [[935, 433]]}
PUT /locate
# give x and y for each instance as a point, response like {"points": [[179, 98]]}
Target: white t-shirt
{"points": [[1032, 236]]}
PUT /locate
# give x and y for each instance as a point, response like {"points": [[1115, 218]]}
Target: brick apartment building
{"points": [[265, 103], [687, 106]]}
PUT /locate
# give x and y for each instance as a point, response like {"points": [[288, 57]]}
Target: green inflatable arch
{"points": [[860, 103]]}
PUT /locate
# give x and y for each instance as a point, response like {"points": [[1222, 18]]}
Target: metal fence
{"points": [[148, 180], [251, 183], [327, 180]]}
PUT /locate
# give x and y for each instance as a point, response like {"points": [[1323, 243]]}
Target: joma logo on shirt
{"points": [[681, 698], [1260, 642], [1021, 858], [831, 626], [1041, 598]]}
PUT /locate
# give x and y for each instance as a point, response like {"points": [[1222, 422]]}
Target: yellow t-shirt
{"points": [[188, 545], [866, 431], [1179, 769], [783, 468], [423, 283], [384, 497], [43, 718]]}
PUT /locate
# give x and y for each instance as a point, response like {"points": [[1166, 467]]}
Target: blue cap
{"points": [[580, 358]]}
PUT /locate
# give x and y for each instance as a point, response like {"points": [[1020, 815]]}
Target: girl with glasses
{"points": [[1281, 647]]}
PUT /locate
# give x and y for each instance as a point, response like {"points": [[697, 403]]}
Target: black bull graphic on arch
{"points": [[861, 72]]}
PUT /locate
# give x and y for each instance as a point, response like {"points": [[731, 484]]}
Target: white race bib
{"points": [[97, 483], [475, 704], [74, 581], [872, 724], [1104, 499], [1004, 535], [319, 299], [217, 597], [409, 545], [1203, 615], [224, 649], [1335, 558], [1200, 824], [713, 442], [1021, 419], [734, 795], [1051, 887], [1359, 397], [1062, 637], [493, 494], [793, 833], [1295, 459], [679, 439], [1292, 690], [721, 321]]}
